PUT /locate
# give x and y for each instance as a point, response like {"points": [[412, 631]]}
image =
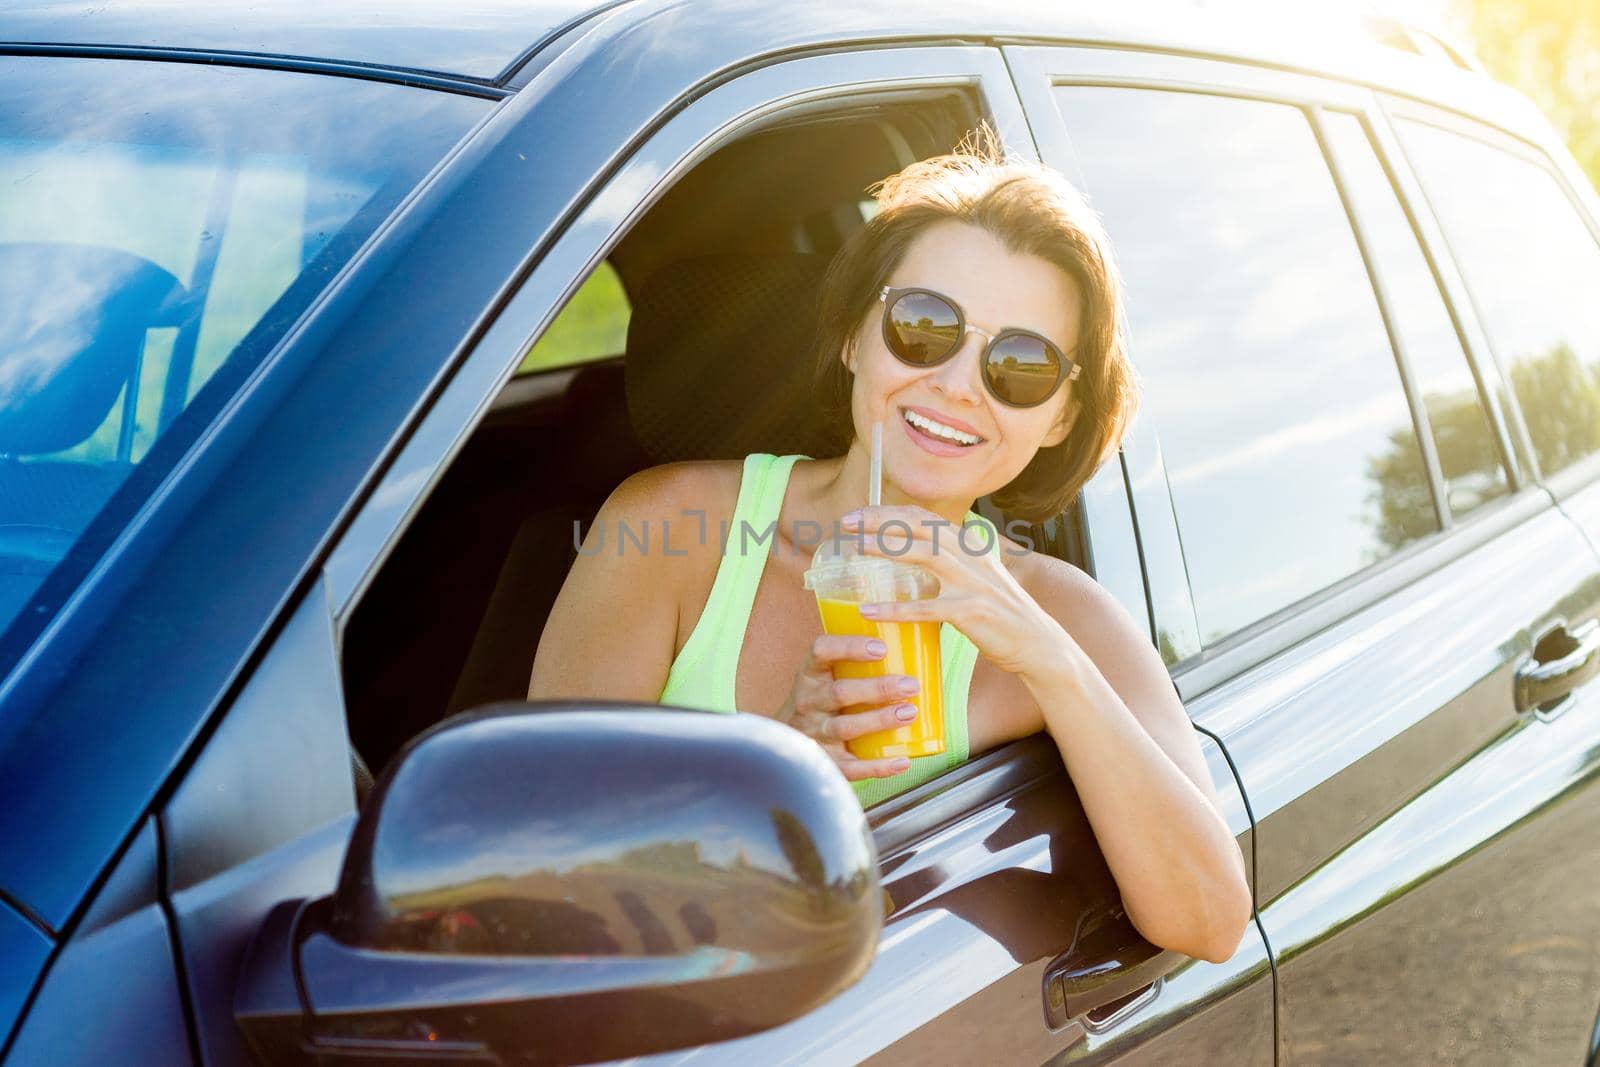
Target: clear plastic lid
{"points": [[841, 571]]}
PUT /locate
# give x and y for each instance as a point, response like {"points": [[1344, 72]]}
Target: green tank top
{"points": [[702, 676]]}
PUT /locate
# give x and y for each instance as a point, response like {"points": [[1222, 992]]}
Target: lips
{"points": [[954, 424], [932, 444]]}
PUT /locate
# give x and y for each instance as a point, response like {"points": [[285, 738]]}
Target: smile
{"points": [[934, 431]]}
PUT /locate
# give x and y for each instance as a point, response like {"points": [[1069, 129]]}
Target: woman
{"points": [[1024, 404]]}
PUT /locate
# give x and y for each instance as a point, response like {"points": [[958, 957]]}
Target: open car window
{"points": [[713, 276], [593, 325]]}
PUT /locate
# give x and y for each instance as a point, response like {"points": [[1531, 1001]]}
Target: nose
{"points": [[957, 377]]}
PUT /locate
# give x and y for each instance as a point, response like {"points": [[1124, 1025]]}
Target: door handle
{"points": [[1099, 992], [1573, 660], [1110, 1016]]}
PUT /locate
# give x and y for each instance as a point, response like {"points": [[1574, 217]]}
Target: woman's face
{"points": [[995, 289]]}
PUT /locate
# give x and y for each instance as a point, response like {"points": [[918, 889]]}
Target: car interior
{"points": [[721, 277]]}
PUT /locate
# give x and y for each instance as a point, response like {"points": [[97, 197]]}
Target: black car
{"points": [[323, 327]]}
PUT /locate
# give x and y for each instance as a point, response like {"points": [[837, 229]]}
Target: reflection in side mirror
{"points": [[572, 883]]}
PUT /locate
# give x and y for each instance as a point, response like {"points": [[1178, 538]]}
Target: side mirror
{"points": [[574, 883]]}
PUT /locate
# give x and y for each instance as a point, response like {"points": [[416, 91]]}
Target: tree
{"points": [[1560, 400], [1550, 51], [1400, 493]]}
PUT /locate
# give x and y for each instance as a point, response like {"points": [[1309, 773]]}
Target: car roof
{"points": [[480, 40], [487, 41]]}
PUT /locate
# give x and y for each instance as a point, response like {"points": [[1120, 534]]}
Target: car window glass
{"points": [[1463, 440], [1257, 336], [592, 325], [162, 222], [1533, 269]]}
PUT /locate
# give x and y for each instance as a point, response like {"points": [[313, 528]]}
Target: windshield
{"points": [[162, 226]]}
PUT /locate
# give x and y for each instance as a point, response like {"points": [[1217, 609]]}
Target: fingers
{"points": [[940, 553], [884, 689], [850, 725], [893, 525], [844, 648], [859, 769]]}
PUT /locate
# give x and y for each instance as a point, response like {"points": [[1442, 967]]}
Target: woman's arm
{"points": [[1140, 776], [613, 630], [1131, 750]]}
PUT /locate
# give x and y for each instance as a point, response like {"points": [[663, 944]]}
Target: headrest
{"points": [[72, 326], [720, 357]]}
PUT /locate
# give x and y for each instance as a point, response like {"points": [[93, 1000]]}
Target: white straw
{"points": [[875, 477], [876, 588]]}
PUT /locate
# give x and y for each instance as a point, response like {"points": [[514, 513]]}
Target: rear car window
{"points": [[1532, 266], [163, 226], [1469, 458], [1291, 454]]}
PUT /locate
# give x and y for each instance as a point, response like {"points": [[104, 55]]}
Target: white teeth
{"points": [[940, 430]]}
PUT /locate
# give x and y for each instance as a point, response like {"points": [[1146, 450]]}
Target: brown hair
{"points": [[1033, 210]]}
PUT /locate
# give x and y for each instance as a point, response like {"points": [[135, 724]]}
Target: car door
{"points": [[1004, 939], [1525, 275], [1350, 564], [119, 958]]}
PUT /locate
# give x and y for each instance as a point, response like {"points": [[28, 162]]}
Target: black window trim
{"points": [[1487, 398], [1386, 144], [1421, 425], [442, 81]]}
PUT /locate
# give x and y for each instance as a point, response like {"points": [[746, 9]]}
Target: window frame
{"points": [[1171, 602], [485, 375], [1493, 387], [1386, 305], [1537, 148], [957, 810]]}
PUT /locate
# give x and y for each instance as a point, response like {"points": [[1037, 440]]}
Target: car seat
{"points": [[718, 364]]}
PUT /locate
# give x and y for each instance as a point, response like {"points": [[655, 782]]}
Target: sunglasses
{"points": [[1020, 368]]}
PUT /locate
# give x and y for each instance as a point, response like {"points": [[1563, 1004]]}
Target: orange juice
{"points": [[913, 648]]}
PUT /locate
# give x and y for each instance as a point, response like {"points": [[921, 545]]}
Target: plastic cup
{"points": [[844, 579]]}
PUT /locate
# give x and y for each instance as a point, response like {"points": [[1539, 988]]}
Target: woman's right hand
{"points": [[817, 703]]}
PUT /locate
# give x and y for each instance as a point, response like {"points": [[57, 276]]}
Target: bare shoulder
{"points": [[1120, 648], [668, 491], [1059, 586], [640, 567], [662, 521], [1097, 621]]}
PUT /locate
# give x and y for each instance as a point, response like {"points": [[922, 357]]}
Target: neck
{"points": [[844, 488]]}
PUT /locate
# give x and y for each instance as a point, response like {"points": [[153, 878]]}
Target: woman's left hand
{"points": [[977, 594], [1142, 798]]}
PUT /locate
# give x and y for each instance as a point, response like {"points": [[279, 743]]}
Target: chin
{"points": [[931, 479]]}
